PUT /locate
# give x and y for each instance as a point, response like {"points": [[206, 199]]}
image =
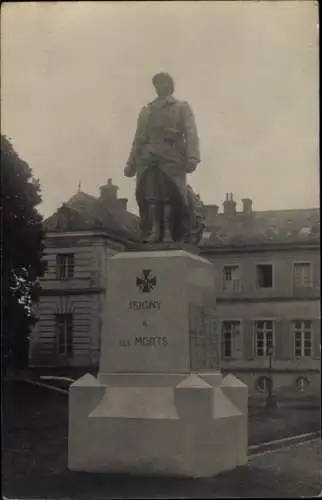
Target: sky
{"points": [[74, 76]]}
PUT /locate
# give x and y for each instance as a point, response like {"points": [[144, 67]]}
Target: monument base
{"points": [[192, 425], [159, 404]]}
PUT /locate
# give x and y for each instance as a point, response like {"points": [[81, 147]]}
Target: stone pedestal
{"points": [[159, 404]]}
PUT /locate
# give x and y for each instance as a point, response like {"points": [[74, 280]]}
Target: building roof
{"points": [[267, 227], [86, 212], [228, 229]]}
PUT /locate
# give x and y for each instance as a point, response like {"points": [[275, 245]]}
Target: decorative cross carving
{"points": [[146, 282]]}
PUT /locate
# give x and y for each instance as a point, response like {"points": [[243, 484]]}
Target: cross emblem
{"points": [[146, 282]]}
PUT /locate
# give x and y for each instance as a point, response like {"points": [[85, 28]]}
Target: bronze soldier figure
{"points": [[164, 150]]}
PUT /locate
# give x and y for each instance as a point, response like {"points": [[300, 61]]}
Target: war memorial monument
{"points": [[159, 405]]}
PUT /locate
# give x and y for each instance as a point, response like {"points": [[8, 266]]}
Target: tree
{"points": [[22, 237]]}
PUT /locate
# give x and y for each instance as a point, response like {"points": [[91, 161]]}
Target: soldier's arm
{"points": [[190, 133], [137, 142]]}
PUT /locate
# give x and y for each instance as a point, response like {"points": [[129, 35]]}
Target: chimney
{"points": [[247, 205], [229, 205], [211, 214], [109, 191], [123, 203], [214, 209]]}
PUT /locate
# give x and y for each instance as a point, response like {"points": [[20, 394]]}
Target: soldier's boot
{"points": [[153, 216], [167, 220]]}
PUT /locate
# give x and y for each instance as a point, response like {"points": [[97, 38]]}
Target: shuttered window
{"points": [[231, 278], [302, 274]]}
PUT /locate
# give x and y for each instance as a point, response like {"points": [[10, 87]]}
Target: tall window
{"points": [[302, 274], [229, 330], [264, 275], [64, 334], [65, 266], [231, 278], [302, 331], [264, 337]]}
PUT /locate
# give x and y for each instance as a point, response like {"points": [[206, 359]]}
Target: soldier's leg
{"points": [[167, 223], [152, 235], [167, 208]]}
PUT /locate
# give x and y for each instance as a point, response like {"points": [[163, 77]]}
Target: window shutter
{"points": [[70, 263], [292, 341], [278, 339], [283, 339], [69, 334], [238, 341], [222, 341], [316, 338], [57, 266], [60, 335], [296, 275], [249, 339]]}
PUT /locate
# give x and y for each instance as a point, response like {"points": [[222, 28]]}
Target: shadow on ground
{"points": [[35, 434], [243, 482]]}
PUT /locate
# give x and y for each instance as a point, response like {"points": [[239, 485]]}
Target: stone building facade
{"points": [[81, 237], [267, 275]]}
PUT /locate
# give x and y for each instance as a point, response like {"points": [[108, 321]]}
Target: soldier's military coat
{"points": [[166, 135]]}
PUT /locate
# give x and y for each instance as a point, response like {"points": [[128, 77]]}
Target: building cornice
{"points": [[90, 233], [205, 249], [228, 367], [57, 234], [293, 298], [70, 291]]}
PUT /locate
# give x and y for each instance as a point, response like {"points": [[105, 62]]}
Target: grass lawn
{"points": [[35, 433]]}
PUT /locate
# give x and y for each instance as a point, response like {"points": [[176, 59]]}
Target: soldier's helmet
{"points": [[163, 79]]}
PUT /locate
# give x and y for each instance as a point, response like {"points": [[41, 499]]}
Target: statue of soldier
{"points": [[165, 149]]}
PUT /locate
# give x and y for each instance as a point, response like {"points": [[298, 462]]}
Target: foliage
{"points": [[22, 238]]}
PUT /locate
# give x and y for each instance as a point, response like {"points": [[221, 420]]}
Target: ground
{"points": [[35, 433]]}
